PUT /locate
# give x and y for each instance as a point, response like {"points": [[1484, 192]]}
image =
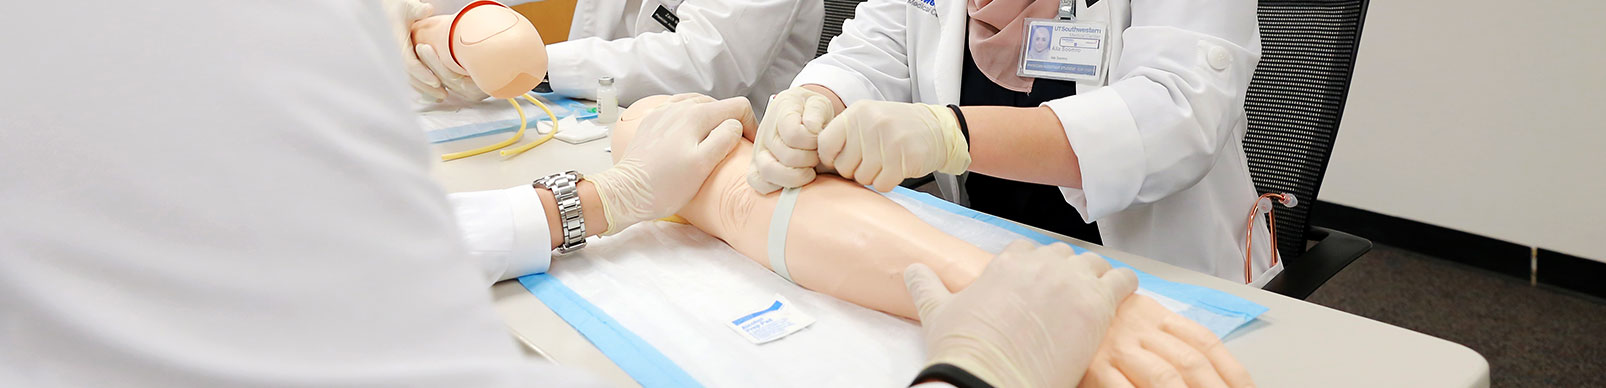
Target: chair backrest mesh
{"points": [[1295, 102], [836, 11]]}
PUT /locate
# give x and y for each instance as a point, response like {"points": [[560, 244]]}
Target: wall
{"points": [[1481, 117]]}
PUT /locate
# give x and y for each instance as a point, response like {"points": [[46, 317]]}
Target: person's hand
{"points": [[675, 148], [1032, 319], [401, 14], [784, 149], [879, 143], [1150, 346], [459, 88]]}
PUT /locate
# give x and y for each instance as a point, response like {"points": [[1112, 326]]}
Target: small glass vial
{"points": [[607, 101]]}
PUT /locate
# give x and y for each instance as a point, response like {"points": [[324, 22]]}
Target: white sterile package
{"points": [[680, 290]]}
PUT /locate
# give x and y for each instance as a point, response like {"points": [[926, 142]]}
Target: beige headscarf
{"points": [[996, 27]]}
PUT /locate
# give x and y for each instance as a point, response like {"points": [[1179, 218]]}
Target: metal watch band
{"points": [[566, 191]]}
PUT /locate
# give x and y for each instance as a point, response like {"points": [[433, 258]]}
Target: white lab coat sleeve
{"points": [[720, 48], [505, 230], [868, 61], [1175, 99]]}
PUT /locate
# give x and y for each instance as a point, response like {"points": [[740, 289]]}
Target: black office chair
{"points": [[836, 11], [1294, 103]]}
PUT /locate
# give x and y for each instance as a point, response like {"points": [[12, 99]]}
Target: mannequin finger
{"points": [[1193, 366], [1206, 342], [760, 185], [927, 289], [1145, 369], [720, 141]]}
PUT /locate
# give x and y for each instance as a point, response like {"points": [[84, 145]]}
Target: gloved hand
{"points": [[674, 150], [1150, 346], [401, 15], [459, 88], [1032, 319], [784, 148], [879, 143]]}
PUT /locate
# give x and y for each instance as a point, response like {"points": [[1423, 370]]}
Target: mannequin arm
{"points": [[849, 242], [843, 240]]}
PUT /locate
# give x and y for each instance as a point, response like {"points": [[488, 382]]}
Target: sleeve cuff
{"points": [[567, 70], [531, 252], [847, 85], [1108, 147]]}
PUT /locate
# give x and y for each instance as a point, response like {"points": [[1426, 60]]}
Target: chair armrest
{"points": [[1302, 275]]}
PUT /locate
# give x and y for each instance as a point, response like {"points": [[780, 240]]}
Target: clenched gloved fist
{"points": [[880, 143], [1032, 319], [675, 148], [784, 149]]}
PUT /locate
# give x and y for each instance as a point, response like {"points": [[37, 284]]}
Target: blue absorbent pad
{"points": [[1220, 312], [637, 358], [561, 106]]}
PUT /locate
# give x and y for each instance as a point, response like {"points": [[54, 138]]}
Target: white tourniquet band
{"points": [[778, 227]]}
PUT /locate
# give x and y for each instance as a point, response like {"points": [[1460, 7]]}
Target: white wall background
{"points": [[1483, 117]]}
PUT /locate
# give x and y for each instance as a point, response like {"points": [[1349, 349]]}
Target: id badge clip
{"points": [[1064, 48]]}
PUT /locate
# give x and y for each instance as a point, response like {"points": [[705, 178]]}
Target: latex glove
{"points": [[879, 143], [1150, 346], [784, 150], [459, 88], [402, 14], [1032, 319], [675, 149]]}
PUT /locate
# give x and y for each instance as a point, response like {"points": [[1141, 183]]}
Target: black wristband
{"points": [[964, 129], [950, 374]]}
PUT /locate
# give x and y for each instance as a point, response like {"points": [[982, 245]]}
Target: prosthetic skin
{"points": [[853, 244], [496, 47], [847, 241]]}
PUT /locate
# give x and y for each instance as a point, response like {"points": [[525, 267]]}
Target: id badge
{"points": [[1063, 50]]}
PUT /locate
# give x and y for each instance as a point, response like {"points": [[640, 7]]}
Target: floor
{"points": [[1532, 336]]}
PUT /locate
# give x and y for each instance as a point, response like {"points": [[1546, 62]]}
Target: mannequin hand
{"points": [[402, 14], [459, 88], [784, 148], [1150, 346], [879, 143], [1032, 319], [675, 148]]}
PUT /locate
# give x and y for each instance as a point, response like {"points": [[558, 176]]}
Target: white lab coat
{"points": [[722, 48], [1163, 170], [211, 199]]}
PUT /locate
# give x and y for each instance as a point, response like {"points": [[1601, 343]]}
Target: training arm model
{"points": [[856, 245]]}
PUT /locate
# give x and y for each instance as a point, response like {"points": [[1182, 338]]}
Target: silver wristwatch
{"points": [[565, 190]]}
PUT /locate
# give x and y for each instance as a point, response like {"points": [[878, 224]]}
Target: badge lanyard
{"points": [[1064, 48]]}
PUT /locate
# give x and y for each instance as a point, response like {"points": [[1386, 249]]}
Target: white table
{"points": [[1295, 344]]}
